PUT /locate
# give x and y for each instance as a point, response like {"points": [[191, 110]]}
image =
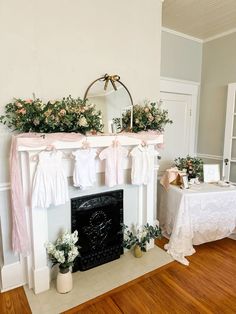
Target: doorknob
{"points": [[226, 160]]}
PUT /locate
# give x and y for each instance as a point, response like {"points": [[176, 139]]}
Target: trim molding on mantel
{"points": [[5, 186], [210, 156]]}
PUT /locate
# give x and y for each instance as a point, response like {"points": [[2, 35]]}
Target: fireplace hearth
{"points": [[98, 219]]}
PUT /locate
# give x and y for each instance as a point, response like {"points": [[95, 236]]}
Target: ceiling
{"points": [[200, 18]]}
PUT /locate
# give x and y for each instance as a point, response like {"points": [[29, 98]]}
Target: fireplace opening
{"points": [[98, 219]]}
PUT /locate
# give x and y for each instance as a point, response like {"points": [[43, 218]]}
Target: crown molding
{"points": [[171, 31], [231, 31]]}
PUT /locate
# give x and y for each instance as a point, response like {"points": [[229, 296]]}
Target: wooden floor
{"points": [[208, 285]]}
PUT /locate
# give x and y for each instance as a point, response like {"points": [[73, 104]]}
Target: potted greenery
{"points": [[139, 238], [64, 252], [193, 166]]}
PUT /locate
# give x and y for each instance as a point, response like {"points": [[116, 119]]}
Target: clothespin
{"points": [[115, 142], [50, 147], [85, 144], [143, 143]]}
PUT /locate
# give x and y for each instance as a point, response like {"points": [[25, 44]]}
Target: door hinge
{"points": [[190, 112]]}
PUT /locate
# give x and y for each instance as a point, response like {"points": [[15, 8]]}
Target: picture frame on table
{"points": [[211, 173], [184, 180]]}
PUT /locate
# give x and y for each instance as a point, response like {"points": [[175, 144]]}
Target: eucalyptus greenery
{"points": [[147, 116], [65, 115], [140, 236], [193, 166]]}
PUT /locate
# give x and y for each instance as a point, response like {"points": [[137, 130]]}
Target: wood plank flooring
{"points": [[208, 285]]}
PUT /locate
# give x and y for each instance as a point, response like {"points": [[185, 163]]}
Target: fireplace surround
{"points": [[33, 269], [98, 219]]}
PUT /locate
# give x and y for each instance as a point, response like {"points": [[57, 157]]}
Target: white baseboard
{"points": [[12, 276]]}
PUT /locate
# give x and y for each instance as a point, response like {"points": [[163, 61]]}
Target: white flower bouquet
{"points": [[64, 251]]}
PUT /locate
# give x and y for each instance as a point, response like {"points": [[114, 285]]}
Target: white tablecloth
{"points": [[203, 213]]}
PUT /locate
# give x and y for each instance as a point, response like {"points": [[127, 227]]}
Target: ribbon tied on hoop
{"points": [[112, 79]]}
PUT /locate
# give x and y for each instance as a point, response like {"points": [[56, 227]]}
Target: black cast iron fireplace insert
{"points": [[98, 219]]}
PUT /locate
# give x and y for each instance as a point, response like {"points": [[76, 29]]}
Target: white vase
{"points": [[64, 281]]}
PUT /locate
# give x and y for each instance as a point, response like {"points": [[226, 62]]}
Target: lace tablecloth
{"points": [[203, 213]]}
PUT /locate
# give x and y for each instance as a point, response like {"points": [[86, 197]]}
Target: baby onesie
{"points": [[84, 174], [114, 156], [141, 164], [50, 186]]}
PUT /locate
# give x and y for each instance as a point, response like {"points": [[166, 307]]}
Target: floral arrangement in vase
{"points": [[147, 116], [193, 166], [65, 115], [139, 238], [64, 252]]}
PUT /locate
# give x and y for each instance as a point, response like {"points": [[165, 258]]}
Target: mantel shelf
{"points": [[95, 141]]}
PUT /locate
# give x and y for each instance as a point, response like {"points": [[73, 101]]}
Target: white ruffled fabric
{"points": [[50, 186], [191, 217]]}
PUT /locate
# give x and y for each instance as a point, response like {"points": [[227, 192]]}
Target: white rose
{"points": [[83, 122]]}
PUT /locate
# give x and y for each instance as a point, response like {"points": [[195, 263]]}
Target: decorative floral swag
{"points": [[76, 115], [66, 115]]}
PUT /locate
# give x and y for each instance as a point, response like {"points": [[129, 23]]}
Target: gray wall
{"points": [[181, 58], [218, 69]]}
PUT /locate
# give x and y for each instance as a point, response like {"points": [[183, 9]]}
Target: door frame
{"points": [[175, 86], [229, 124]]}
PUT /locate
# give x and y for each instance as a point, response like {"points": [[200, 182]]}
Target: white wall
{"points": [[55, 48]]}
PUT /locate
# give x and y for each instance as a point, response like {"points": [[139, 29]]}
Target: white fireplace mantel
{"points": [[36, 264]]}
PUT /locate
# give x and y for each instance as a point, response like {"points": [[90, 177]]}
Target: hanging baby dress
{"points": [[50, 186], [141, 164], [84, 174], [114, 171]]}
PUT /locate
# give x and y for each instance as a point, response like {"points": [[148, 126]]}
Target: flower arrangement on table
{"points": [[193, 166], [147, 116], [64, 251], [66, 115], [140, 237]]}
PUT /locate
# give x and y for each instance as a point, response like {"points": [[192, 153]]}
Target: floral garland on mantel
{"points": [[75, 115], [66, 115]]}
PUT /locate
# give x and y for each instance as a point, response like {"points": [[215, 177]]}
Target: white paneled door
{"points": [[229, 164], [177, 136], [180, 98]]}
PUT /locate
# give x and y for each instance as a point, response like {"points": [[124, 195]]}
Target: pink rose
{"points": [[22, 111], [29, 101], [62, 112], [19, 105]]}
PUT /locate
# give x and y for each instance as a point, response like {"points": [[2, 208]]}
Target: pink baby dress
{"points": [[114, 156]]}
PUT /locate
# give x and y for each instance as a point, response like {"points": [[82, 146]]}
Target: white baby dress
{"points": [[114, 156], [141, 164], [50, 186], [84, 174]]}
